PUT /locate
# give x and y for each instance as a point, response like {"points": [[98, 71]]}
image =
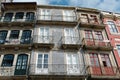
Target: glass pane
{"points": [[8, 17], [3, 35], [8, 60], [19, 15], [14, 34]]}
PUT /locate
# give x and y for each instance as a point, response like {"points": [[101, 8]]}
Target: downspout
{"points": [[78, 22]]}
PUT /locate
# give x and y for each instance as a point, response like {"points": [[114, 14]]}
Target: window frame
{"points": [[43, 64], [6, 61], [94, 59], [12, 35], [112, 27], [118, 49], [19, 16]]}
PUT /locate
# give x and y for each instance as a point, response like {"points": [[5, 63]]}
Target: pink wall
{"points": [[112, 38]]}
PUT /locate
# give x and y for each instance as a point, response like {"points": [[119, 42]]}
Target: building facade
{"points": [[53, 43], [112, 21]]}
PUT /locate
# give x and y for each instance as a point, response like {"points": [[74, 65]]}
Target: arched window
{"points": [[21, 65], [8, 17], [30, 16], [8, 60], [112, 27], [19, 15]]}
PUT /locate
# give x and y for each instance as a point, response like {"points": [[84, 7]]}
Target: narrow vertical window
{"points": [[69, 37], [42, 61], [94, 59], [118, 49], [105, 60], [44, 35], [26, 37], [3, 35], [112, 27]]}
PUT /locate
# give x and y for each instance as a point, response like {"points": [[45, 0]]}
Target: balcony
{"points": [[61, 70], [9, 21], [91, 23], [43, 41], [103, 72], [71, 42], [9, 73], [95, 44], [57, 19], [21, 43]]}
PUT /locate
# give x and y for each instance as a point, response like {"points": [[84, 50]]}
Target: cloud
{"points": [[109, 5], [105, 5]]}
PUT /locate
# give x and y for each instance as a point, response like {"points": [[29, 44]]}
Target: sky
{"points": [[104, 5]]}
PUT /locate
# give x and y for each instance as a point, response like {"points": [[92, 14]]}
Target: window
{"points": [[94, 59], [118, 48], [19, 15], [112, 27], [3, 35], [88, 34], [42, 61], [68, 15], [45, 14], [105, 60], [84, 18], [26, 37], [72, 63], [93, 19], [21, 65], [69, 35], [44, 34], [8, 60], [98, 35], [14, 34], [30, 16], [8, 17]]}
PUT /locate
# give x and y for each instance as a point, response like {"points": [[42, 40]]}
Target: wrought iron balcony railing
{"points": [[57, 69], [70, 40], [11, 19], [56, 18], [42, 39]]}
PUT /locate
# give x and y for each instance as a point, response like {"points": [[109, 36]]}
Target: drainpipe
{"points": [[82, 49]]}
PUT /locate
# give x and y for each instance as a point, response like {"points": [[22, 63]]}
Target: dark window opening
{"points": [[26, 37], [104, 64], [3, 35], [19, 15], [30, 16], [14, 34], [8, 17], [8, 60]]}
